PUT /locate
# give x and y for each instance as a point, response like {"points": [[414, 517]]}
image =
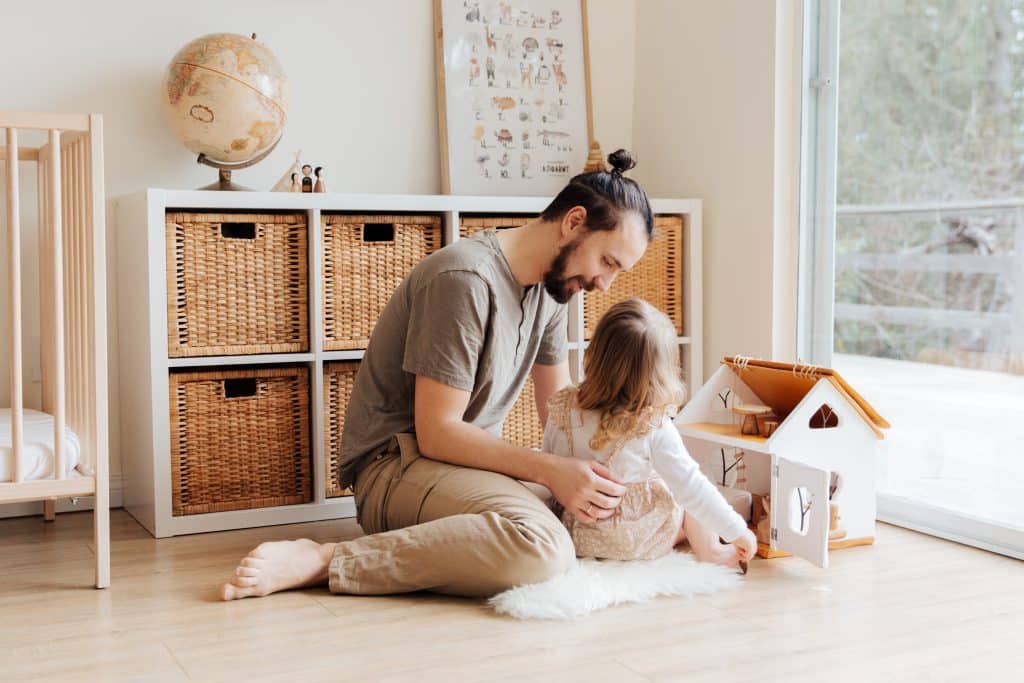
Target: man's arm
{"points": [[547, 379], [586, 488]]}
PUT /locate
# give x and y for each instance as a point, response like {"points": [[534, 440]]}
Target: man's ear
{"points": [[574, 222]]}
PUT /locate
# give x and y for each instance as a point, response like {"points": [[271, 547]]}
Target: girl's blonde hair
{"points": [[631, 370]]}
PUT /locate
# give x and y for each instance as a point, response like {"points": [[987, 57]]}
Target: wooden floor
{"points": [[910, 608]]}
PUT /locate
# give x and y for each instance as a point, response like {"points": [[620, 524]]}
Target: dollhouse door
{"points": [[799, 517]]}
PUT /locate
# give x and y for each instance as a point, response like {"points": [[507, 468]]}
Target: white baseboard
{"points": [[951, 525], [65, 504]]}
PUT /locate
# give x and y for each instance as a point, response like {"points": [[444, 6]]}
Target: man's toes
{"points": [[244, 581], [232, 591], [260, 550], [246, 571], [251, 562]]}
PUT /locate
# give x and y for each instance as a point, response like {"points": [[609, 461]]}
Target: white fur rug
{"points": [[596, 584]]}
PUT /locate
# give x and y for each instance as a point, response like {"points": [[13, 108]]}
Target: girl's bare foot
{"points": [[726, 554], [279, 566]]}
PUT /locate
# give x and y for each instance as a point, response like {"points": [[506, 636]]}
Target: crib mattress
{"points": [[37, 454]]}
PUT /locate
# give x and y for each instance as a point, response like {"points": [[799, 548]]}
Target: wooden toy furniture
{"points": [[813, 475], [70, 456]]}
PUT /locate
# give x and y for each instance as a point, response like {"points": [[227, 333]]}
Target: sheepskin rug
{"points": [[595, 584]]}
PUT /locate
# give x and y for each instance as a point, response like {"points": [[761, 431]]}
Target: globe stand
{"points": [[225, 169]]}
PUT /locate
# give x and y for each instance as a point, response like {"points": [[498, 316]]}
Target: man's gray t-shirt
{"points": [[462, 319]]}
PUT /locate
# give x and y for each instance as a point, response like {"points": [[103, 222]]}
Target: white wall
{"points": [[704, 92], [707, 125], [363, 99]]}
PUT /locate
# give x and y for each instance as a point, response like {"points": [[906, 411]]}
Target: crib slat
{"points": [[88, 303], [46, 278], [67, 249], [44, 299], [72, 288], [67, 188], [14, 247], [58, 304], [71, 340], [82, 289], [98, 348], [75, 288]]}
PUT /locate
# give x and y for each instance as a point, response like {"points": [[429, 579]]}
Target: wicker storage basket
{"points": [[365, 259], [239, 439], [236, 284], [339, 378], [658, 278], [522, 426], [470, 225]]}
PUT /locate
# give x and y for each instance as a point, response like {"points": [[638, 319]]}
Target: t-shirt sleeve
{"points": [[554, 345], [691, 489], [447, 327]]}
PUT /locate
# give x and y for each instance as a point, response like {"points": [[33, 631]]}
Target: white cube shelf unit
{"points": [[145, 363]]}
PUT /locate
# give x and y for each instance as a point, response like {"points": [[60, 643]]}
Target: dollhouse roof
{"points": [[781, 386]]}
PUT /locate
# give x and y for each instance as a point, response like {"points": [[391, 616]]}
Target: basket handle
{"points": [[378, 232], [241, 387], [238, 231]]}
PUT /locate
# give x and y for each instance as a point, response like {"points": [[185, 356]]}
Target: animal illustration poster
{"points": [[512, 95]]}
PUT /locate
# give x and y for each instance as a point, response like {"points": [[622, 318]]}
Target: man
{"points": [[437, 490]]}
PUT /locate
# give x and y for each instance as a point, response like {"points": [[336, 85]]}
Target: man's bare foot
{"points": [[279, 566]]}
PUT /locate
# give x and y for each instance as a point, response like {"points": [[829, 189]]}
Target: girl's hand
{"points": [[746, 544], [587, 489]]}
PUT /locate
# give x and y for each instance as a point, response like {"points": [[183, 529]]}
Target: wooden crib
{"points": [[72, 306]]}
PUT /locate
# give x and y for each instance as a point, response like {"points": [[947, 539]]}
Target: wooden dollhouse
{"points": [[801, 441]]}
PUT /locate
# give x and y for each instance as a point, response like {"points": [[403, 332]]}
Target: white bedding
{"points": [[37, 455]]}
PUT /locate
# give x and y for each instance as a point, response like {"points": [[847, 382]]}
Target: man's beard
{"points": [[555, 282]]}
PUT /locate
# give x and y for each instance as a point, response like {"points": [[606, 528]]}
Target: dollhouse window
{"points": [[800, 502], [824, 418]]}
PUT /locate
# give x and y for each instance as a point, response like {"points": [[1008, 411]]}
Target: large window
{"points": [[913, 251]]}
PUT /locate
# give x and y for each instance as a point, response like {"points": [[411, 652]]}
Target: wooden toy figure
{"points": [[296, 186], [764, 523], [835, 529], [307, 178], [319, 185]]}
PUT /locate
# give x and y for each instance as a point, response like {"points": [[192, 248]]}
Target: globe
{"points": [[225, 99]]}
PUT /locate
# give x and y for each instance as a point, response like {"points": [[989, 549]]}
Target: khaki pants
{"points": [[444, 528]]}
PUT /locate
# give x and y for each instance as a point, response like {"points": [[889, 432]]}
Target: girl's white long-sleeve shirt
{"points": [[657, 452]]}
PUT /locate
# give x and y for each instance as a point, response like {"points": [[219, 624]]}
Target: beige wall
{"points": [[705, 125], [786, 176], [363, 102]]}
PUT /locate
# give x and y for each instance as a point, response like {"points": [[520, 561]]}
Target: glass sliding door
{"points": [[913, 248]]}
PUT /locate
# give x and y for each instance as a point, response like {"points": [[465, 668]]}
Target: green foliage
{"points": [[931, 109], [931, 100]]}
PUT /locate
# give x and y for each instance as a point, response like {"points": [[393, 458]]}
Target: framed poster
{"points": [[513, 95]]}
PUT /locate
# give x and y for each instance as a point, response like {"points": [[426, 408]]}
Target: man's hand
{"points": [[585, 488]]}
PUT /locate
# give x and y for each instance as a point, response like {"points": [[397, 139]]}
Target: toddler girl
{"points": [[621, 416]]}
